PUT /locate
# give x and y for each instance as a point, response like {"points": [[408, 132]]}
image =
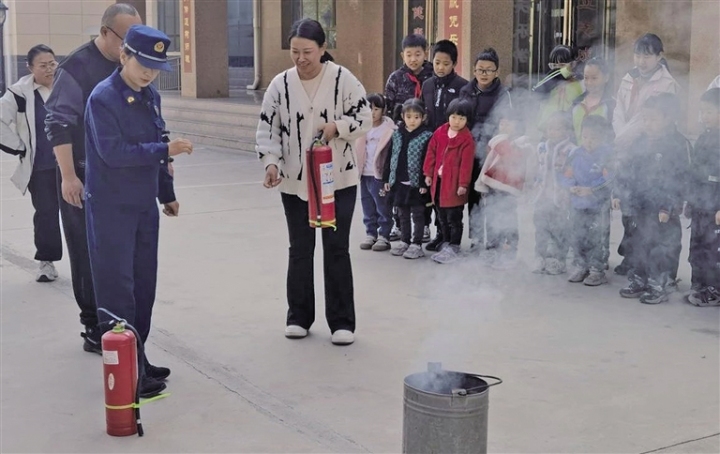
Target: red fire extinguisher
{"points": [[120, 367], [321, 185]]}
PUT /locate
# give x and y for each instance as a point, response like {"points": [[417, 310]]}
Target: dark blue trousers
{"points": [[123, 245]]}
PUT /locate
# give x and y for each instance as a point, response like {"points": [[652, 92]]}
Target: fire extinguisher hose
{"points": [[141, 365]]}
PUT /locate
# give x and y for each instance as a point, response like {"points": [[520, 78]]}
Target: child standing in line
{"points": [[448, 172], [502, 180], [559, 88], [588, 178], [404, 180], [403, 84], [552, 203], [437, 93], [705, 202], [652, 184], [372, 153]]}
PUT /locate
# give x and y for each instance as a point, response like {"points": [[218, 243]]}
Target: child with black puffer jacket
{"points": [[705, 206]]}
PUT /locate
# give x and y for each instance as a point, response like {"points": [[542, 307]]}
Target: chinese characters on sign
{"points": [[416, 17], [453, 27], [187, 37]]}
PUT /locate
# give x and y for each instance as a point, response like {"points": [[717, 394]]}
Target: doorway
{"points": [[415, 16]]}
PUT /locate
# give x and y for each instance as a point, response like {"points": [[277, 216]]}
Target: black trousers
{"points": [[629, 228], [46, 220], [552, 235], [451, 223], [337, 269], [73, 221], [476, 211], [705, 249], [412, 223], [655, 246]]}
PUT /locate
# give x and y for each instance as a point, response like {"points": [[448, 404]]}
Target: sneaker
{"points": [[426, 235], [488, 256], [156, 372], [93, 342], [435, 244], [579, 275], [595, 278], [46, 272], [395, 234], [295, 332], [368, 243], [654, 296], [539, 267], [382, 244], [634, 289], [448, 254], [555, 267], [400, 249], [150, 387], [706, 297], [415, 251], [343, 337], [622, 269], [673, 286]]}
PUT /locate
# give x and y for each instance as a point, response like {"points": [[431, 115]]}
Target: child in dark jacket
{"points": [[437, 93], [587, 176], [406, 82], [448, 172], [404, 179], [652, 184], [705, 203]]}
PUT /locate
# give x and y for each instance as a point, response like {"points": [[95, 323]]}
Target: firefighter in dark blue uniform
{"points": [[126, 171]]}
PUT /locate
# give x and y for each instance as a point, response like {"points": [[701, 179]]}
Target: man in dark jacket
{"points": [[652, 184], [76, 77]]}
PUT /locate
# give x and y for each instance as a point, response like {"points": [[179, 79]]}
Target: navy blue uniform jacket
{"points": [[126, 158]]}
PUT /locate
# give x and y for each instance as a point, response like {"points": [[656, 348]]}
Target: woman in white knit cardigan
{"points": [[315, 95]]}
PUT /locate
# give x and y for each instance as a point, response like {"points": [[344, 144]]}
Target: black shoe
{"points": [[434, 244], [150, 387], [92, 343], [157, 373], [622, 269], [635, 289]]}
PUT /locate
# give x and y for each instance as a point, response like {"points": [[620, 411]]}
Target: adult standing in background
{"points": [[316, 95], [76, 78], [22, 133]]}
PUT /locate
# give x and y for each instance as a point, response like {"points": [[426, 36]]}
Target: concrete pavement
{"points": [[584, 370]]}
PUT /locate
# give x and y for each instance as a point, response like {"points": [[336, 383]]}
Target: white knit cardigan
{"points": [[289, 122]]}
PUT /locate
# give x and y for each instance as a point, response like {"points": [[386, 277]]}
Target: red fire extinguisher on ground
{"points": [[321, 185], [120, 368]]}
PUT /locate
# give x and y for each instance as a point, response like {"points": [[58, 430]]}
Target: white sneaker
{"points": [[295, 332], [368, 243], [46, 272], [343, 337], [400, 249]]}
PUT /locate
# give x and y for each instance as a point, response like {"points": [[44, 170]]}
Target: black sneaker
{"points": [[622, 269], [150, 387], [434, 244], [156, 372], [92, 343], [634, 290]]}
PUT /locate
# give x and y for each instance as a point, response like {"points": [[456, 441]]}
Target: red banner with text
{"points": [[453, 28]]}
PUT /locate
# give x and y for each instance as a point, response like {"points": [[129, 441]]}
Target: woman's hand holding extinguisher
{"points": [[329, 131], [272, 176]]}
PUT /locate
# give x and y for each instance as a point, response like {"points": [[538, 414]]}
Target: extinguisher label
{"points": [[328, 184], [111, 382], [110, 357]]}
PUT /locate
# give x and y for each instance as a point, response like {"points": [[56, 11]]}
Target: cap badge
{"points": [[159, 47]]}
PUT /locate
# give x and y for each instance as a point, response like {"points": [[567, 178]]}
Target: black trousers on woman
{"points": [[337, 269], [46, 220]]}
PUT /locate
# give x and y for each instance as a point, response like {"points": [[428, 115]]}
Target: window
{"points": [[322, 11], [169, 22]]}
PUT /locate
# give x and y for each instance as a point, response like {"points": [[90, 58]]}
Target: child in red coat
{"points": [[448, 174]]}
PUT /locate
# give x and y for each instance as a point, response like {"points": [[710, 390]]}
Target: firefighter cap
{"points": [[149, 46]]}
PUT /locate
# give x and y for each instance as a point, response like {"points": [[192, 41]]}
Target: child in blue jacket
{"points": [[587, 175]]}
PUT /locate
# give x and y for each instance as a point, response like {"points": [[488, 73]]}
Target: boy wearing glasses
{"points": [[489, 98]]}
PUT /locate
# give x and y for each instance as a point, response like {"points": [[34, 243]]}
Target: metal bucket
{"points": [[445, 412]]}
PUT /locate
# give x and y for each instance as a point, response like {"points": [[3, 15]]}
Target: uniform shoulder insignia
{"points": [[130, 99]]}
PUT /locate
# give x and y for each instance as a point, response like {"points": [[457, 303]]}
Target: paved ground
{"points": [[584, 370]]}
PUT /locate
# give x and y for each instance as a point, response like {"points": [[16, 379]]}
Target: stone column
{"points": [[204, 46]]}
